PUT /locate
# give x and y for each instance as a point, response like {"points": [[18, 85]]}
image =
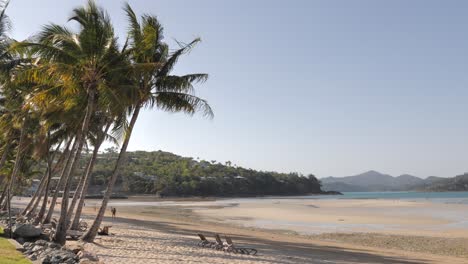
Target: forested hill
{"points": [[168, 174], [373, 181], [457, 183]]}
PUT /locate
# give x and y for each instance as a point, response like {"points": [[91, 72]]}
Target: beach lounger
{"points": [[47, 226], [204, 242], [104, 231], [229, 247], [54, 222], [82, 226], [74, 234], [219, 243]]}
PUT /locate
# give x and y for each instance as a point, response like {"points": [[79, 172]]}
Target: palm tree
{"points": [[46, 155], [34, 202], [40, 215], [99, 139], [81, 64], [97, 124], [156, 88]]}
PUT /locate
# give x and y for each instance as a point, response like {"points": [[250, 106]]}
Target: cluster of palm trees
{"points": [[64, 90]]}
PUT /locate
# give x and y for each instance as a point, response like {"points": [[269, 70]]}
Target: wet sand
{"points": [[165, 233], [324, 216]]}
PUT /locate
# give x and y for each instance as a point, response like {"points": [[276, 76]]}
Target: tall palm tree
{"points": [[42, 210], [97, 142], [96, 137], [155, 87], [44, 184], [81, 64]]}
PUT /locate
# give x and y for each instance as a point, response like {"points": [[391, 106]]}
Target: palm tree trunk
{"points": [[92, 232], [60, 184], [71, 208], [37, 193], [32, 206], [87, 180], [62, 226], [37, 197], [41, 213], [4, 192], [5, 153], [18, 160]]}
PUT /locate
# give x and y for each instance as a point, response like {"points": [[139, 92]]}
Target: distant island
{"points": [[376, 181], [167, 174]]}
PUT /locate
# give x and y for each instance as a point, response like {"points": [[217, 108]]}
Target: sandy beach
{"points": [[166, 233]]}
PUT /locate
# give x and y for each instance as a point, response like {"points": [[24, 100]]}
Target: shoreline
{"points": [[166, 234], [366, 247]]}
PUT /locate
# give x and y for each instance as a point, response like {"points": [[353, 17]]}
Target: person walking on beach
{"points": [[113, 210]]}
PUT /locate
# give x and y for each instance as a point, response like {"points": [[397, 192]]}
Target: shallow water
{"points": [[436, 197], [440, 197], [439, 214]]}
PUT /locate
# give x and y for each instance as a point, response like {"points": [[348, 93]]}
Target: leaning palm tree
{"points": [[22, 118], [6, 62], [80, 65], [155, 88], [99, 128]]}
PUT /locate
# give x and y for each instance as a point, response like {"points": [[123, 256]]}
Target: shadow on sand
{"points": [[291, 252]]}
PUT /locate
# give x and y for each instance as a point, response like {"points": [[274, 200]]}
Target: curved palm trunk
{"points": [[32, 205], [5, 153], [92, 232], [41, 213], [60, 185], [18, 160], [4, 192], [37, 193], [71, 208], [87, 180], [62, 226]]}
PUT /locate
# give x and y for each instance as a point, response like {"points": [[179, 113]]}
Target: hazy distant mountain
{"points": [[408, 180], [432, 179], [371, 181], [437, 184]]}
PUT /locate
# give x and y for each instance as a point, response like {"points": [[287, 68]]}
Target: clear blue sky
{"points": [[324, 87]]}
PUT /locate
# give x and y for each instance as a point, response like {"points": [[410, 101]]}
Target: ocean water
{"points": [[438, 197]]}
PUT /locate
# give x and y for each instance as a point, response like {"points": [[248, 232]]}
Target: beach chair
{"points": [[104, 231], [54, 222], [74, 234], [219, 243], [204, 242], [229, 247], [82, 226]]}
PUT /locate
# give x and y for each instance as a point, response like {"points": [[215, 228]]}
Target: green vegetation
{"points": [[8, 253], [73, 86], [167, 174], [457, 183]]}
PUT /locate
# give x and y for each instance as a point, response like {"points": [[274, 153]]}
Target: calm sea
{"points": [[439, 197]]}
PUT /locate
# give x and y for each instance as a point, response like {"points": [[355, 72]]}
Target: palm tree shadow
{"points": [[296, 252]]}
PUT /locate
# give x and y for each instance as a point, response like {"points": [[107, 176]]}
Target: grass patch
{"points": [[8, 253]]}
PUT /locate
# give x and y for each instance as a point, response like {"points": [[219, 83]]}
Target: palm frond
{"points": [[175, 56], [182, 102]]}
